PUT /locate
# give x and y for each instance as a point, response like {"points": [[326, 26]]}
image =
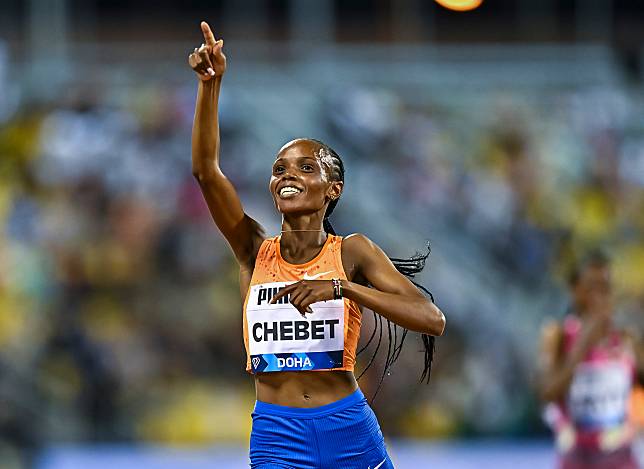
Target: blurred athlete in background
{"points": [[589, 370], [303, 292], [637, 411]]}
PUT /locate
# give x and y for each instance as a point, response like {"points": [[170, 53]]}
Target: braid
{"points": [[328, 227], [408, 267]]}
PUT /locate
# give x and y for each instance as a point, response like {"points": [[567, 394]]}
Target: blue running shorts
{"points": [[342, 435]]}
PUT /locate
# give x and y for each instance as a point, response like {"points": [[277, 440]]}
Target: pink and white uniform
{"points": [[592, 424]]}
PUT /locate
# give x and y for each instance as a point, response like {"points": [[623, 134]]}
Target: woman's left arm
{"points": [[393, 295]]}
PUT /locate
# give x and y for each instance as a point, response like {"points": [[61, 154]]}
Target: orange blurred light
{"points": [[460, 5]]}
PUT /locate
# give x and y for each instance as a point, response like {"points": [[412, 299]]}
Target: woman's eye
{"points": [[307, 167], [278, 169]]}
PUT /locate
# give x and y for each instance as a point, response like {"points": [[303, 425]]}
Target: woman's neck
{"points": [[302, 232]]}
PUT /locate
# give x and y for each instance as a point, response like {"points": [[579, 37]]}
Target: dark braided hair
{"points": [[408, 267]]}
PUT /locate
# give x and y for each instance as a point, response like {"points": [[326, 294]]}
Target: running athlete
{"points": [[303, 292], [589, 370]]}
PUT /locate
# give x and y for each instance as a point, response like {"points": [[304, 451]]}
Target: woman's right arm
{"points": [[243, 233]]}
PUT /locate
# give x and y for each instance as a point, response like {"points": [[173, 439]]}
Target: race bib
{"points": [[280, 339], [599, 395]]}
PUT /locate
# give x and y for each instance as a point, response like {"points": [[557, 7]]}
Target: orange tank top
{"points": [[277, 337]]}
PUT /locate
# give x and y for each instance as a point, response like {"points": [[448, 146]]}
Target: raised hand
{"points": [[208, 60]]}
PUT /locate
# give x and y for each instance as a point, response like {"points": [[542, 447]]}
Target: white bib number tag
{"points": [[599, 394], [280, 339]]}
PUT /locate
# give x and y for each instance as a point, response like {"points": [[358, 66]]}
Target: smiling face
{"points": [[301, 182]]}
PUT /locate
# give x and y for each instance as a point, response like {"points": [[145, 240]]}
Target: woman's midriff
{"points": [[304, 388]]}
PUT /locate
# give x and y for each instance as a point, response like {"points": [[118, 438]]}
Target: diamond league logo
{"points": [[256, 361]]}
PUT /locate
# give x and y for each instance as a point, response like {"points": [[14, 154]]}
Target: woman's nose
{"points": [[288, 174]]}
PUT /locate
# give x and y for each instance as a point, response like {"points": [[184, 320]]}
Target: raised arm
{"points": [[242, 232]]}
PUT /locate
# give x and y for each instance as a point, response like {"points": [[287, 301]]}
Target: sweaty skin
{"points": [[302, 165]]}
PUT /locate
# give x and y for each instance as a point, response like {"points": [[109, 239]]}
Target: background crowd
{"points": [[120, 313]]}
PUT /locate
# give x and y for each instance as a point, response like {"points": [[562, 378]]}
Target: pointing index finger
{"points": [[282, 292], [207, 34]]}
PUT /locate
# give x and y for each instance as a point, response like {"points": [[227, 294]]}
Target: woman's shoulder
{"points": [[357, 240], [359, 249], [261, 248], [355, 248], [267, 244], [357, 244]]}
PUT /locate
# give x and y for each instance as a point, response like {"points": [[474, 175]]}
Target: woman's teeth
{"points": [[289, 191]]}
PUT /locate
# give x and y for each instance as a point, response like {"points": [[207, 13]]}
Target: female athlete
{"points": [[589, 369], [302, 295]]}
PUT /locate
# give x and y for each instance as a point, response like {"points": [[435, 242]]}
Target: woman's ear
{"points": [[335, 190]]}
